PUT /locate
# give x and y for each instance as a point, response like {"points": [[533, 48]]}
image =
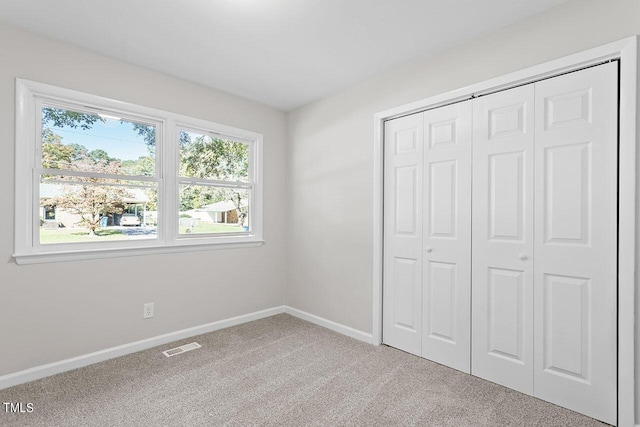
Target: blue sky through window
{"points": [[118, 139]]}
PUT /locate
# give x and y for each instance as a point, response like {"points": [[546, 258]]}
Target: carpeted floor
{"points": [[279, 371]]}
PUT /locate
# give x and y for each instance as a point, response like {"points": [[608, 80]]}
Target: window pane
{"points": [[96, 143], [206, 209], [96, 212], [204, 156]]}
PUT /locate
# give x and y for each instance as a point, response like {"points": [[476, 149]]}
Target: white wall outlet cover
{"points": [[148, 310]]}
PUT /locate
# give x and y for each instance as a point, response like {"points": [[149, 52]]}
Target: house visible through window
{"points": [[106, 175]]}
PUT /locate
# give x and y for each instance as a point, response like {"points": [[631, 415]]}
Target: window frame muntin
{"points": [[25, 252]]}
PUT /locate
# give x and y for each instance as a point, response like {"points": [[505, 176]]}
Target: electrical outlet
{"points": [[148, 310]]}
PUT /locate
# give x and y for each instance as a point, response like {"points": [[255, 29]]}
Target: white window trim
{"points": [[28, 251]]}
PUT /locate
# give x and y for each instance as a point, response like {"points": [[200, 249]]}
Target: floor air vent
{"points": [[181, 349]]}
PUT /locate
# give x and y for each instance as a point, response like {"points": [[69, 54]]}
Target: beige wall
{"points": [[50, 312], [330, 164]]}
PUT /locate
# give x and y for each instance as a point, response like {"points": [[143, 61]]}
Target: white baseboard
{"points": [[49, 369], [53, 368], [329, 324]]}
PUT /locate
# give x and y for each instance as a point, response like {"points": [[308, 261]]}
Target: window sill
{"points": [[88, 254]]}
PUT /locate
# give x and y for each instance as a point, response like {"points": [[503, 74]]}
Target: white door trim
{"points": [[627, 51]]}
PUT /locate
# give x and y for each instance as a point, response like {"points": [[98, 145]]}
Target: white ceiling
{"points": [[283, 53]]}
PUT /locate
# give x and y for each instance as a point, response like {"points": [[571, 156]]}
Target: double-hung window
{"points": [[97, 177], [214, 179]]}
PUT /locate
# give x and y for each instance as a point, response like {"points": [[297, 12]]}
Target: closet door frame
{"points": [[626, 51]]}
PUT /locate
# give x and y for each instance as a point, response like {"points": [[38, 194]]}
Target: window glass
{"points": [[91, 152], [87, 142], [95, 211], [213, 157], [210, 209]]}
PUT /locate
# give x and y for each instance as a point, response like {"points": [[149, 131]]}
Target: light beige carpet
{"points": [[279, 371]]}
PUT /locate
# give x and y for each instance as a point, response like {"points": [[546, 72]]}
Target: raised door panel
{"points": [[576, 241], [566, 326], [506, 196], [440, 289], [447, 236], [405, 203], [442, 198], [402, 280], [567, 193], [502, 274], [406, 288], [505, 329]]}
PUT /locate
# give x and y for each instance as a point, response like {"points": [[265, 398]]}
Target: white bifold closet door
{"points": [[545, 240], [402, 275], [446, 299], [575, 254], [503, 153], [511, 275], [427, 223]]}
